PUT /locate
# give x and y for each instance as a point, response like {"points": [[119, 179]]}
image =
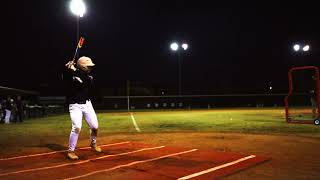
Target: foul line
{"points": [[216, 168], [54, 152], [135, 123], [130, 164], [80, 162]]}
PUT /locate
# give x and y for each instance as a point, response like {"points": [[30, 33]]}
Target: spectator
{"points": [[19, 109], [1, 110], [8, 109]]}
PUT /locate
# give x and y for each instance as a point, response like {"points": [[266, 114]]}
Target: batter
{"points": [[79, 84]]}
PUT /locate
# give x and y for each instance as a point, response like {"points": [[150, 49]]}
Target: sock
{"points": [[93, 133]]}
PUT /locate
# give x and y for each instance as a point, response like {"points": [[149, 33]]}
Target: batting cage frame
{"points": [[292, 119]]}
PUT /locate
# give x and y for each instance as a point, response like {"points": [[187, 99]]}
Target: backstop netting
{"points": [[302, 101]]}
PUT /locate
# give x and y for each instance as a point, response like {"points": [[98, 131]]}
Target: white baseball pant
{"points": [[7, 117], [77, 111]]}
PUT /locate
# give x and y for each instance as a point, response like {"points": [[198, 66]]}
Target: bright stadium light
{"points": [[185, 46], [306, 48], [174, 46], [78, 7], [296, 47]]}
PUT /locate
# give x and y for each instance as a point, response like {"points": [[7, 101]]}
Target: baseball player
{"points": [[79, 84]]}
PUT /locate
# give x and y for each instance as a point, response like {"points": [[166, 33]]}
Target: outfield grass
{"points": [[261, 121], [265, 121]]}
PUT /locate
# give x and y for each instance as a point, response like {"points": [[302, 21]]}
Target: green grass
{"points": [[261, 121], [233, 120]]}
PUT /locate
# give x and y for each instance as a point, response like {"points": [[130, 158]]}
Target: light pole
{"points": [[78, 8], [300, 50], [175, 47]]}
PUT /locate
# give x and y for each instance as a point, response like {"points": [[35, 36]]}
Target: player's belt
{"points": [[80, 102]]}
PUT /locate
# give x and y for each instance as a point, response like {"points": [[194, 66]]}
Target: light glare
{"points": [[78, 7], [185, 46], [296, 47], [174, 46], [306, 48]]}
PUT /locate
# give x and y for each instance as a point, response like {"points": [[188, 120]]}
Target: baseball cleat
{"points": [[72, 156], [95, 148]]}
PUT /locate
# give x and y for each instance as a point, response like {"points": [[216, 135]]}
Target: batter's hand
{"points": [[71, 65]]}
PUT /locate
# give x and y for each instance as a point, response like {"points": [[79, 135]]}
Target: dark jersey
{"points": [[19, 105], [8, 105], [78, 85]]}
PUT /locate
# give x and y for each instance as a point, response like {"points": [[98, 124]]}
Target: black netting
{"points": [[302, 101]]}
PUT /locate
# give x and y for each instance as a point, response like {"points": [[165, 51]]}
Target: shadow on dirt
{"points": [[56, 147]]}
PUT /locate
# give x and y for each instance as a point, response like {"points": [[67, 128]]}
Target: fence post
{"points": [[128, 94]]}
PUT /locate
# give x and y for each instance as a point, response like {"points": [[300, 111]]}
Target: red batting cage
{"points": [[303, 99]]}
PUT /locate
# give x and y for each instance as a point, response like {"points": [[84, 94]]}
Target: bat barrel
{"points": [[79, 45]]}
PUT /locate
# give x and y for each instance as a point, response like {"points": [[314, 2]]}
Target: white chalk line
{"points": [[80, 162], [130, 164], [216, 168], [135, 123], [54, 152]]}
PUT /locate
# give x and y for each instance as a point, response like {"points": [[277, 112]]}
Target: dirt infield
{"points": [[293, 157], [123, 161]]}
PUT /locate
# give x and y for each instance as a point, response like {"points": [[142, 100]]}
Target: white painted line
{"points": [[80, 162], [216, 168], [54, 152], [106, 145], [135, 123], [130, 164]]}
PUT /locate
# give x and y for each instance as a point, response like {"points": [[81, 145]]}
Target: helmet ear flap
{"points": [[85, 68]]}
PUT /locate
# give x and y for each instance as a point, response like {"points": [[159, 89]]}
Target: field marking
{"points": [[76, 163], [216, 168], [54, 152], [135, 123], [130, 164]]}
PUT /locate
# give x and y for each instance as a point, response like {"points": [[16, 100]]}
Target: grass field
{"points": [[256, 121], [255, 130]]}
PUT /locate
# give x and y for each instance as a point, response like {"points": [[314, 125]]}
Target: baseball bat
{"points": [[79, 45]]}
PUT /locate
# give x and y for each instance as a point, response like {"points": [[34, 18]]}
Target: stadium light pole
{"points": [[78, 8], [300, 50], [175, 47]]}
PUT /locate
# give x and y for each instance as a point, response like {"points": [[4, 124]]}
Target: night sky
{"points": [[234, 48]]}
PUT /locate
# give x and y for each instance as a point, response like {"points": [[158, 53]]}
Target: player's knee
{"points": [[76, 130]]}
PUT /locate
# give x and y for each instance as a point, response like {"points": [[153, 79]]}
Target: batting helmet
{"points": [[85, 63]]}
